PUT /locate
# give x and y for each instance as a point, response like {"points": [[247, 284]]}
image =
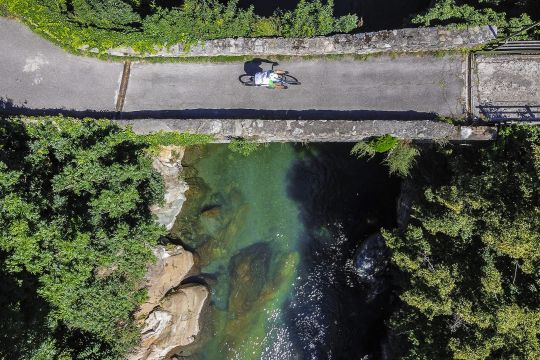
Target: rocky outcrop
{"points": [[370, 262], [168, 164], [170, 317], [174, 323], [171, 267]]}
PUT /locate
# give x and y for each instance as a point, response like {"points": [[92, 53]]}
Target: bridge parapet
{"points": [[224, 130], [402, 40]]}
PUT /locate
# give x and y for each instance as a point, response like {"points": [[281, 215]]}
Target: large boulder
{"points": [[168, 164], [171, 267], [370, 263], [175, 323], [248, 276]]}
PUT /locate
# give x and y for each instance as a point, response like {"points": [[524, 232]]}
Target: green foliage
{"points": [[3, 10], [104, 24], [108, 14], [311, 18], [243, 147], [401, 158], [470, 255], [448, 12], [508, 15], [167, 138], [400, 155], [75, 238]]}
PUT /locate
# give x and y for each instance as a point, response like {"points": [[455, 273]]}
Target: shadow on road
{"points": [[254, 66], [8, 108]]}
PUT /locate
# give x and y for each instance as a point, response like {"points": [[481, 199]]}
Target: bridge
{"points": [[340, 99]]}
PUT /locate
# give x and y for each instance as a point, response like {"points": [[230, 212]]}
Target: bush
{"points": [[104, 24], [400, 155], [162, 138], [401, 158], [483, 12], [243, 147], [107, 14], [76, 236]]}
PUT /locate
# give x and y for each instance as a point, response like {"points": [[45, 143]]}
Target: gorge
{"points": [[275, 236]]}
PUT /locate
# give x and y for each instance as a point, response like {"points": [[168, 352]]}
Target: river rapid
{"points": [[276, 233]]}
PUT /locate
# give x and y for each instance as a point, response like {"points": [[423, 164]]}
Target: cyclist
{"points": [[269, 78]]}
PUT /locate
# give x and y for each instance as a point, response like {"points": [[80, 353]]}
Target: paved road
{"points": [[38, 75]]}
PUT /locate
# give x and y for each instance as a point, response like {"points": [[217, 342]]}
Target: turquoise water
{"points": [[275, 233]]}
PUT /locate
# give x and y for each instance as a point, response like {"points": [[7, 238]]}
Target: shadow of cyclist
{"points": [[254, 66]]}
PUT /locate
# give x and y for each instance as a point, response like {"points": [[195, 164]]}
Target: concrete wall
{"points": [[403, 40], [508, 85], [313, 130]]}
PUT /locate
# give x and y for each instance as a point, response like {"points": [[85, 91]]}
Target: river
{"points": [[275, 233]]}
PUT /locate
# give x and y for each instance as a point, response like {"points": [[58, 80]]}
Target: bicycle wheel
{"points": [[247, 80], [291, 80]]}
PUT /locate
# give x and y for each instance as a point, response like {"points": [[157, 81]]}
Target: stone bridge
{"points": [[398, 82]]}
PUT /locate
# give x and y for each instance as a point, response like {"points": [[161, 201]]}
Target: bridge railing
{"points": [[516, 42], [510, 113]]}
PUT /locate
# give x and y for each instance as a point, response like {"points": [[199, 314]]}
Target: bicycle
{"points": [[272, 79]]}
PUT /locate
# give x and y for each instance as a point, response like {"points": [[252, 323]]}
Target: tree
{"points": [[470, 255], [76, 235], [400, 154]]}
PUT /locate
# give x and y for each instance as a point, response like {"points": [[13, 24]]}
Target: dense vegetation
{"points": [[75, 239], [508, 15], [104, 24], [400, 154], [470, 256]]}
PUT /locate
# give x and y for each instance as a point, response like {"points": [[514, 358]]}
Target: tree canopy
{"points": [[470, 256], [76, 237]]}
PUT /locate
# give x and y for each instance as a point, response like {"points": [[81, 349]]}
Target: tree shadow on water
{"points": [[342, 201]]}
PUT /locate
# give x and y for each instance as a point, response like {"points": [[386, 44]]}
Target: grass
{"points": [[163, 138]]}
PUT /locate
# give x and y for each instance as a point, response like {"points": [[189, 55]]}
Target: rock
{"points": [[167, 273], [370, 262], [212, 212], [248, 275], [371, 258], [173, 324], [168, 164]]}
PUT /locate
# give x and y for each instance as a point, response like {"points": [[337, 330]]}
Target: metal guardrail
{"points": [[507, 45], [511, 113]]}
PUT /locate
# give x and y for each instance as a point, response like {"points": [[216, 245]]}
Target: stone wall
{"points": [[402, 40], [313, 130]]}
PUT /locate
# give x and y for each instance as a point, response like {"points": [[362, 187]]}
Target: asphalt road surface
{"points": [[38, 75]]}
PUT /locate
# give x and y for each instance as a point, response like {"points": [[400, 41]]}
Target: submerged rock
{"points": [[175, 323], [171, 267], [168, 164], [248, 276], [370, 261]]}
